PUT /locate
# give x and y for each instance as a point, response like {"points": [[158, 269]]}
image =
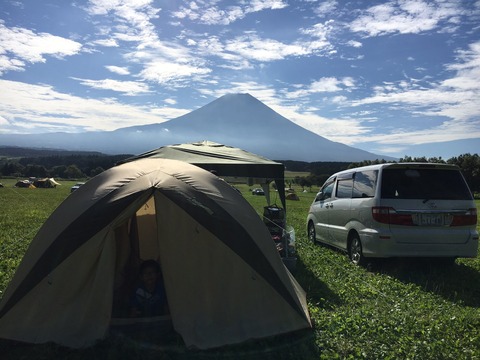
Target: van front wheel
{"points": [[355, 250], [312, 236]]}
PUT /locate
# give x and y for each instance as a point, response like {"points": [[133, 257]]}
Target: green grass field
{"points": [[399, 309]]}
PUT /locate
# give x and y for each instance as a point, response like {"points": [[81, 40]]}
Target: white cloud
{"points": [[132, 19], [340, 100], [254, 48], [319, 30], [172, 73], [154, 50], [213, 15], [9, 64], [164, 62], [260, 91], [50, 110], [19, 46], [240, 50], [171, 64], [106, 42], [323, 85], [259, 5], [130, 88], [398, 149], [330, 84], [3, 121], [118, 69], [130, 10], [402, 137], [404, 17], [325, 7], [170, 101], [353, 43]]}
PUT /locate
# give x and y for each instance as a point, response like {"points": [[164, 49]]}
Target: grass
{"points": [[408, 309]]}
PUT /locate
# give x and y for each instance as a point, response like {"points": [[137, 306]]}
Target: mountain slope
{"points": [[238, 120], [243, 121]]}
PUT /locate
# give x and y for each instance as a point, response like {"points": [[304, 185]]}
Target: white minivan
{"points": [[396, 210]]}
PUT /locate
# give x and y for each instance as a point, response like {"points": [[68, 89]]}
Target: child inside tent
{"points": [[149, 298]]}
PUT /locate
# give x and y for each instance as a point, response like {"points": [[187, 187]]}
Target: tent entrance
{"points": [[136, 240]]}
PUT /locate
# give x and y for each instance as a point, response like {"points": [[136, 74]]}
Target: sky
{"points": [[398, 78]]}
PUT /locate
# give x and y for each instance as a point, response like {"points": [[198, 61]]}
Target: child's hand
{"points": [[135, 312]]}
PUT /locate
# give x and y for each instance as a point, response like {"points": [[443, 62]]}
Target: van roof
{"points": [[416, 165]]}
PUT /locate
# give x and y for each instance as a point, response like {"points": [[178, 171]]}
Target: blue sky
{"points": [[393, 77]]}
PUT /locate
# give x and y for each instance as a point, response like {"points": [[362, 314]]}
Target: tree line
{"points": [[76, 166], [84, 165]]}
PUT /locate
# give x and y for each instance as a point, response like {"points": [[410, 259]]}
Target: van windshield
{"points": [[437, 184]]}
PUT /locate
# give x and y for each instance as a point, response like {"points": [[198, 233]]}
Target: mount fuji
{"points": [[238, 120]]}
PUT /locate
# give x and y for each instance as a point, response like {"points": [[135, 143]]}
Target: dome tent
{"points": [[224, 280]]}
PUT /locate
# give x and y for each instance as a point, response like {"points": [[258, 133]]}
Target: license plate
{"points": [[432, 219]]}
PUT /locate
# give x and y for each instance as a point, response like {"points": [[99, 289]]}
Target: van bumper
{"points": [[384, 245]]}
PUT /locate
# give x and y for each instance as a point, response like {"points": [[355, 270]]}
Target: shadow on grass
{"points": [[317, 291], [297, 345], [453, 281]]}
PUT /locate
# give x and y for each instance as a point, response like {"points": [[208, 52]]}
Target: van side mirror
{"points": [[320, 196]]}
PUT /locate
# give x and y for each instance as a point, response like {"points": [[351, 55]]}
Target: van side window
{"points": [[344, 188], [325, 192], [364, 184]]}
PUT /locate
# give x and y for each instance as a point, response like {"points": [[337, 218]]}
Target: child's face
{"points": [[149, 276]]}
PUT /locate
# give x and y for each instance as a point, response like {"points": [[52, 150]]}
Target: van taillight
{"points": [[468, 218], [388, 215]]}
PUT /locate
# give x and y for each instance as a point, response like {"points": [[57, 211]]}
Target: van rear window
{"points": [[438, 184]]}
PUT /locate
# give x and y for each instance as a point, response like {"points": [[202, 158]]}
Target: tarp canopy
{"points": [[224, 280], [224, 160]]}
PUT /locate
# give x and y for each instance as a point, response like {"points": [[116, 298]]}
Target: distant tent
{"points": [[45, 183], [224, 279], [292, 196], [224, 160], [24, 184]]}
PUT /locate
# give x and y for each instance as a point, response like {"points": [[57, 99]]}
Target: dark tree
{"points": [[73, 172], [35, 171]]}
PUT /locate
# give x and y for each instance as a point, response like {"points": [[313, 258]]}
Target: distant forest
{"points": [[40, 163]]}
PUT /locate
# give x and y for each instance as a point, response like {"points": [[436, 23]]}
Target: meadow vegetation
{"points": [[391, 309]]}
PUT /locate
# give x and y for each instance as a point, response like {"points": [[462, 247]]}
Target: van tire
{"points": [[355, 250], [312, 236]]}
